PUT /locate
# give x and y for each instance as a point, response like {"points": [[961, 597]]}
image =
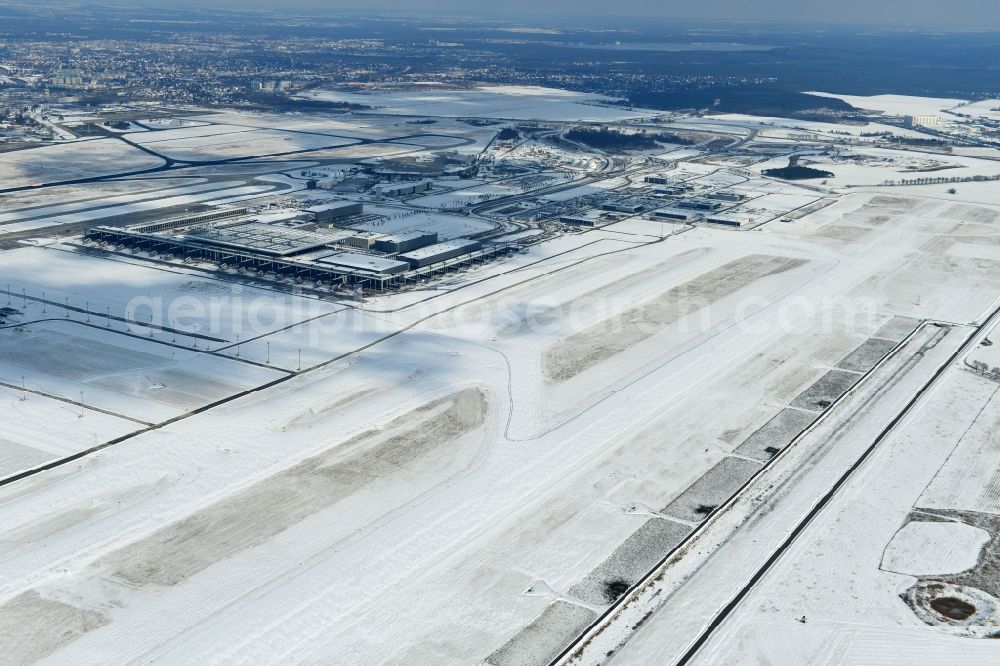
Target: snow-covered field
{"points": [[898, 105], [200, 146], [350, 520], [195, 185], [71, 161], [182, 196], [515, 102], [472, 469]]}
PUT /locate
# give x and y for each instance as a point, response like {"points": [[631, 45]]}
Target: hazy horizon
{"points": [[961, 14], [981, 14]]}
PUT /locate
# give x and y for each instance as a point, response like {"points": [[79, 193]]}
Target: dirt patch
{"points": [[866, 356], [318, 413], [975, 214], [826, 390], [251, 516], [775, 435], [899, 203], [897, 328], [843, 232], [630, 561], [34, 626], [544, 637], [711, 490], [585, 349], [878, 220]]}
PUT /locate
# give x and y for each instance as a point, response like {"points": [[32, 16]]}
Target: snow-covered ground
{"points": [[473, 469], [515, 102], [71, 161], [897, 105]]}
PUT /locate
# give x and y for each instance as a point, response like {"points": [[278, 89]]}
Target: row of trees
{"points": [[984, 369], [939, 180]]}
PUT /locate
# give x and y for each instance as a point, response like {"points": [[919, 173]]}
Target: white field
{"points": [[457, 458], [68, 428], [129, 375], [240, 144], [514, 102], [150, 191], [898, 105], [87, 195], [71, 161], [191, 132], [934, 548], [870, 167], [349, 125], [188, 196], [442, 134]]}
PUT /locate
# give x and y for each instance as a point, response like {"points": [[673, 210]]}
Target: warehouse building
{"points": [[395, 243], [432, 254], [629, 206], [402, 189], [329, 212], [672, 190], [591, 218], [681, 215], [699, 204], [725, 196], [729, 220]]}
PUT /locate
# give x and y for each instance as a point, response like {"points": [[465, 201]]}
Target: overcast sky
{"points": [[972, 13]]}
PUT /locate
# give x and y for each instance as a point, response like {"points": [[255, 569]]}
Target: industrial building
{"points": [[681, 215], [921, 121], [336, 210], [591, 218], [672, 190], [729, 220], [402, 189], [396, 243], [699, 204], [438, 252], [629, 206], [726, 196]]}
